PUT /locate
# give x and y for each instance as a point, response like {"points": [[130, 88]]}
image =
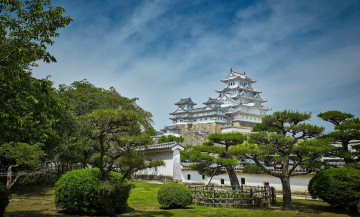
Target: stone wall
{"points": [[193, 138], [208, 127], [244, 124]]}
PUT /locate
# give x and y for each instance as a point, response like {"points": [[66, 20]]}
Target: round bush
{"points": [[4, 198], [174, 195], [339, 187], [79, 191]]}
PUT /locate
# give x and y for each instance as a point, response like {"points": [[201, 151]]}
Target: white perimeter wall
{"points": [[298, 183], [166, 170]]}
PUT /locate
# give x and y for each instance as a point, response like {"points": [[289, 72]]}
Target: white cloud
{"points": [[299, 59]]}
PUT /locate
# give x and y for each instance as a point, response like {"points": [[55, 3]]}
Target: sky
{"points": [[304, 55]]}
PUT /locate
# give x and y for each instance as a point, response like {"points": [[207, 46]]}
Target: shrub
{"points": [[4, 198], [174, 195], [79, 191], [339, 187]]}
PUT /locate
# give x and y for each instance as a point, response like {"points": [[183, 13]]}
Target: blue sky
{"points": [[305, 55]]}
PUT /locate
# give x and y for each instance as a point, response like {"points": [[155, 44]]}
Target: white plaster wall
{"points": [[297, 183], [176, 164], [166, 170]]}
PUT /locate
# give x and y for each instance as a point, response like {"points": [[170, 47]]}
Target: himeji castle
{"points": [[237, 108]]}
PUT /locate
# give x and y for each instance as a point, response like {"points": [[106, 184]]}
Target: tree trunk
{"points": [[287, 202], [234, 181], [107, 203], [9, 182], [347, 155]]}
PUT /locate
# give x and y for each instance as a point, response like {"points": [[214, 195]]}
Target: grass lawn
{"points": [[39, 201]]}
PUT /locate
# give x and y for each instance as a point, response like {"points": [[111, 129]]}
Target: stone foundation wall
{"points": [[193, 138], [244, 124], [208, 127]]}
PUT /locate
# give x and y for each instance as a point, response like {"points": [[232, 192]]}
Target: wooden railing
{"points": [[236, 196]]}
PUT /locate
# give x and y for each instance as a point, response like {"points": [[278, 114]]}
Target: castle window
{"points": [[222, 181], [188, 176], [203, 176], [243, 181]]}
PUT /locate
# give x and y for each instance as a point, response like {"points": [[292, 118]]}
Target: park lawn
{"points": [[39, 201]]}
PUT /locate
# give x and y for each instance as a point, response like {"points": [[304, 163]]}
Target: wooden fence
{"points": [[240, 196]]}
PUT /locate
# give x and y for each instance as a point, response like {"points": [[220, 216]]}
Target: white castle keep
{"points": [[237, 108]]}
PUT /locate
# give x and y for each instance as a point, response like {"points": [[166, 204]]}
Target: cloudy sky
{"points": [[305, 55]]}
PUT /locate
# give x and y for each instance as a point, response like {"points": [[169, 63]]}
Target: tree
{"points": [[114, 135], [346, 128], [203, 160], [297, 145], [29, 114], [227, 140], [28, 110], [170, 138], [212, 156], [27, 28]]}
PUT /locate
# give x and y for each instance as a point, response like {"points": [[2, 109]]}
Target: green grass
{"points": [[39, 201]]}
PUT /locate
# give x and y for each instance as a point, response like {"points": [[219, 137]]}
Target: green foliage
{"points": [[353, 165], [227, 139], [346, 128], [29, 113], [252, 168], [4, 198], [79, 191], [294, 143], [174, 195], [339, 187], [27, 28], [82, 97], [170, 138], [261, 127], [209, 159], [23, 153], [335, 117]]}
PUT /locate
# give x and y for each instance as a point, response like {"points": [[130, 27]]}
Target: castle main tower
{"points": [[237, 108]]}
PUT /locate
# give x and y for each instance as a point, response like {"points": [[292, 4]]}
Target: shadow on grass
{"points": [[151, 213], [311, 206], [35, 213], [33, 190]]}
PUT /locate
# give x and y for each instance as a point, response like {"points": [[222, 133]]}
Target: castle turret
{"points": [[186, 104]]}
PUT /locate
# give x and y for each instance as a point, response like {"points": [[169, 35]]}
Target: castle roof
{"points": [[237, 76], [212, 101], [162, 146], [186, 101]]}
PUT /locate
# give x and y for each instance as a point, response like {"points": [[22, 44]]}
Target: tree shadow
{"points": [[151, 213], [316, 207], [36, 213], [33, 190]]}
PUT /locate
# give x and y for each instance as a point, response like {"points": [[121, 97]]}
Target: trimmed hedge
{"points": [[4, 198], [340, 187], [174, 195], [79, 191]]}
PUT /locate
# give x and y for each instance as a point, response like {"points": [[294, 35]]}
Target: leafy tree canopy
{"points": [[212, 156], [295, 145], [346, 128], [114, 134], [170, 138], [26, 29], [29, 112]]}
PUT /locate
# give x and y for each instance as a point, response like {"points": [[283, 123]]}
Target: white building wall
{"points": [[176, 164], [297, 183], [166, 170]]}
